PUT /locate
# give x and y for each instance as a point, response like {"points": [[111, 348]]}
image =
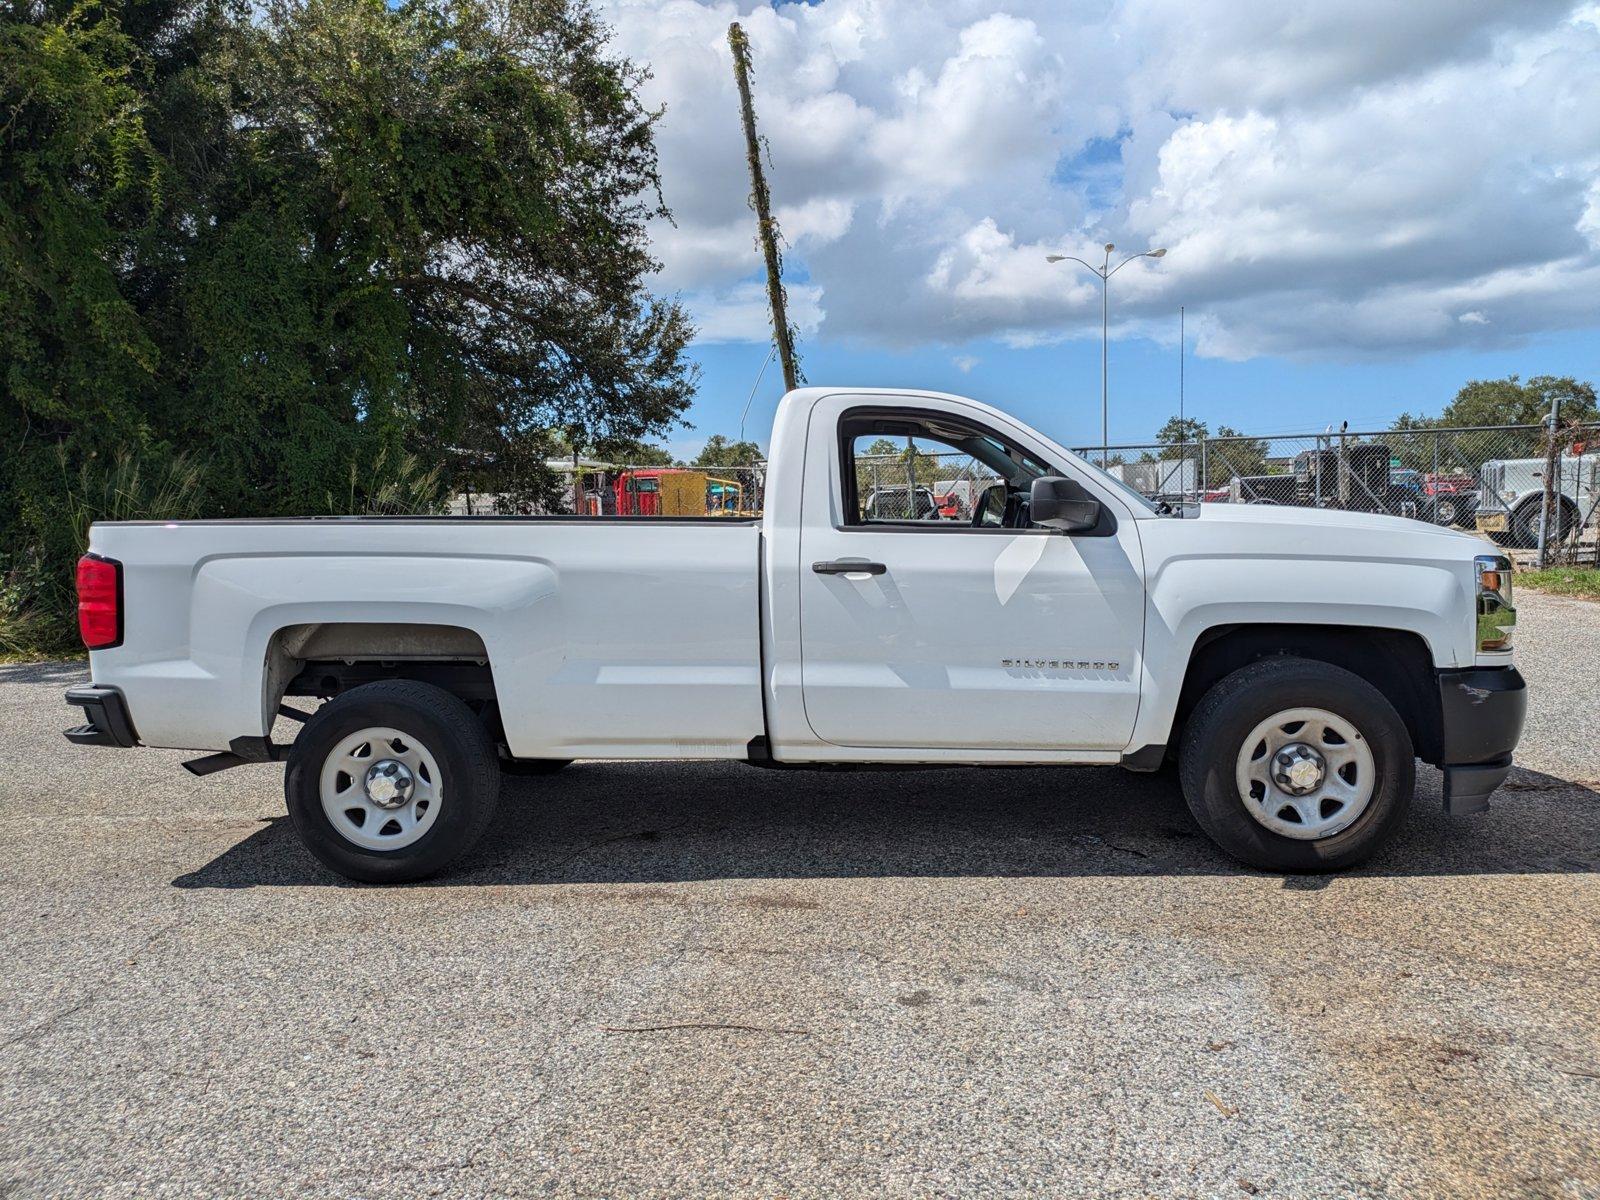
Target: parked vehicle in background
{"points": [[1292, 662], [1355, 478], [1448, 483], [673, 492], [1158, 477], [1511, 492], [895, 504], [955, 497], [1264, 489], [1417, 494], [1452, 497]]}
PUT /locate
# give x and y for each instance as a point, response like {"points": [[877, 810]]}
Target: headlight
{"points": [[1497, 618]]}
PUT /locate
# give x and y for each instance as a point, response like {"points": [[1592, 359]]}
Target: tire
{"points": [[431, 810], [533, 766], [1446, 510], [1213, 762], [1525, 523]]}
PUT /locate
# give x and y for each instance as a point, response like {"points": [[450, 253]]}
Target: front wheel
{"points": [[1294, 765], [391, 782]]}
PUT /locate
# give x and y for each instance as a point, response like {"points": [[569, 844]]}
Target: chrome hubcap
{"points": [[1306, 773]]}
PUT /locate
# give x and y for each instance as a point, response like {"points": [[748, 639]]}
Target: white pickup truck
{"points": [[1293, 662]]}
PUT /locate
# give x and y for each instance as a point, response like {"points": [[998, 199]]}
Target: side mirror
{"points": [[1063, 504]]}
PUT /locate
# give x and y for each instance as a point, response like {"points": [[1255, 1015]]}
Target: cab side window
{"points": [[930, 471], [913, 479]]}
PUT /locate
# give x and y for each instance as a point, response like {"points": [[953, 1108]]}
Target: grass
{"points": [[1563, 581]]}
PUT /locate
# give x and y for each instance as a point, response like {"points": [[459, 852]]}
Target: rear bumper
{"points": [[109, 723], [1482, 710]]}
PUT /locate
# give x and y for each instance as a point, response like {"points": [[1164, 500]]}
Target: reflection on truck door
{"points": [[972, 634]]}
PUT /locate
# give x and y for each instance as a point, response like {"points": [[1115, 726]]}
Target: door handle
{"points": [[846, 566]]}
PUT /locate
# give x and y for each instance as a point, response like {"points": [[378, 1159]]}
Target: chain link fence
{"points": [[1516, 484], [922, 485]]}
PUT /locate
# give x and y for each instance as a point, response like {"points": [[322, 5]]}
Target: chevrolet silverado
{"points": [[1291, 663]]}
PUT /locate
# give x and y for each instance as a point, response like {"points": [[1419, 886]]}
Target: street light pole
{"points": [[1104, 272], [1105, 352]]}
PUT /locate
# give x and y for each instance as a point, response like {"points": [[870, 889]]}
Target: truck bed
{"points": [[619, 637]]}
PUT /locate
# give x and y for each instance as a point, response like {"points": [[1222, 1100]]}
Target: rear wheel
{"points": [[391, 781], [1295, 765]]}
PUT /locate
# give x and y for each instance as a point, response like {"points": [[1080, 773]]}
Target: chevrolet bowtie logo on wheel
{"points": [[1056, 664]]}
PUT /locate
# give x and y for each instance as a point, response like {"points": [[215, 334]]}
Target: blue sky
{"points": [[1364, 204], [1057, 388]]}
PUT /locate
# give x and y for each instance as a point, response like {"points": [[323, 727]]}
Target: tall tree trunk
{"points": [[766, 225]]}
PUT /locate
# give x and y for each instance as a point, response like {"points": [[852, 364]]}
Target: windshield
{"points": [[1135, 497]]}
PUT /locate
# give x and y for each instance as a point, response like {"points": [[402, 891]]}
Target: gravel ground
{"points": [[664, 980]]}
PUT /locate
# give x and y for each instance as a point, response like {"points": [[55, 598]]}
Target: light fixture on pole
{"points": [[1104, 272]]}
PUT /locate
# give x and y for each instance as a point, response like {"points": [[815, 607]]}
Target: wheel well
{"points": [[1564, 503], [327, 658], [1394, 661]]}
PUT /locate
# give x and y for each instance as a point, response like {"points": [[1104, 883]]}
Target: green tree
{"points": [[1234, 454], [720, 452], [1492, 402], [338, 253], [641, 454], [1230, 453], [1509, 401], [1178, 436], [79, 183]]}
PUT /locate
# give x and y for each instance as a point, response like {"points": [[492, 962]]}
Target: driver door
{"points": [[965, 627]]}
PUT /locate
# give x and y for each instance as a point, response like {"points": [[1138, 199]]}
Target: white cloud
{"points": [[1589, 222], [1331, 177], [989, 108], [965, 362], [739, 313]]}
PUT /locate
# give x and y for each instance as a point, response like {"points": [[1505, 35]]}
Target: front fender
{"points": [[1187, 598]]}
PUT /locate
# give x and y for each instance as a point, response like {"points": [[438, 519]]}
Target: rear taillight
{"points": [[100, 601]]}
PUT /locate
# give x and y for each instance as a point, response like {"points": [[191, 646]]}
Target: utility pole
{"points": [[1104, 272], [761, 199], [1183, 450], [1548, 507]]}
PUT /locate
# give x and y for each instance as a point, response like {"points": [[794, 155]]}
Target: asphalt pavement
{"points": [[658, 979]]}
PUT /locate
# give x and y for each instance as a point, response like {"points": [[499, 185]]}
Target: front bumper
{"points": [[1494, 520], [1481, 710], [109, 722]]}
